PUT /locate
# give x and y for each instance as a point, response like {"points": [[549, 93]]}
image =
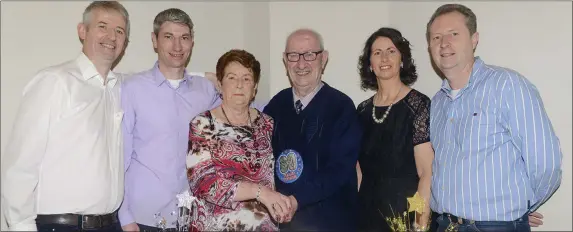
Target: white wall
{"points": [[513, 34]]}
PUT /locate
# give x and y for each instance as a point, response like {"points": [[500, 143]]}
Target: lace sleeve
{"points": [[362, 106], [421, 105]]}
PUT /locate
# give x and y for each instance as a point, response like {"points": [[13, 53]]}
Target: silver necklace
{"points": [[379, 121], [249, 122]]}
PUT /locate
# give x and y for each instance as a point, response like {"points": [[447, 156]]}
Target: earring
{"points": [[370, 69], [401, 65]]}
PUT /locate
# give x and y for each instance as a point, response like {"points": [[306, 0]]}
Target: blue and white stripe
{"points": [[495, 148]]}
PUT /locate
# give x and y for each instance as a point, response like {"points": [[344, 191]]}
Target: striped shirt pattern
{"points": [[495, 148]]}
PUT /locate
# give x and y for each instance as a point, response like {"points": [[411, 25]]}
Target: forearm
{"points": [[224, 189], [544, 164], [247, 190], [19, 193], [425, 192], [124, 213], [548, 184]]}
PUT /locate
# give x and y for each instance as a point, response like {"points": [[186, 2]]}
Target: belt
{"points": [[81, 221], [459, 220]]}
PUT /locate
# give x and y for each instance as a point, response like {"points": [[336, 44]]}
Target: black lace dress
{"points": [[386, 158]]}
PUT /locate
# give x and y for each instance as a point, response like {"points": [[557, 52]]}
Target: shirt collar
{"points": [[158, 78], [306, 99], [88, 70], [474, 76]]}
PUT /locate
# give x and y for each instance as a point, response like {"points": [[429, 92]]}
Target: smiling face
{"points": [[451, 45], [174, 44], [304, 60], [385, 59], [104, 37], [238, 85]]}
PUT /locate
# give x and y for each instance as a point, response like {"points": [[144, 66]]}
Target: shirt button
{"points": [[451, 120]]}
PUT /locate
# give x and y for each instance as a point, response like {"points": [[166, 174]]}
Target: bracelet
{"points": [[258, 193]]}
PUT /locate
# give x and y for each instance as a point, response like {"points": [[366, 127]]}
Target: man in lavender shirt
{"points": [[159, 104]]}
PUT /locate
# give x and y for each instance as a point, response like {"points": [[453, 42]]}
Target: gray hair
{"points": [[471, 19], [172, 15], [314, 33], [106, 5]]}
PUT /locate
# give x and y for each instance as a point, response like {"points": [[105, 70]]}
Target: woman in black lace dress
{"points": [[396, 156]]}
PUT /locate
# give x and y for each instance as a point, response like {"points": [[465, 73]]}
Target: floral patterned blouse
{"points": [[220, 155]]}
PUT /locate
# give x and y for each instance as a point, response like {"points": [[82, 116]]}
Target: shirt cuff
{"points": [[23, 227]]}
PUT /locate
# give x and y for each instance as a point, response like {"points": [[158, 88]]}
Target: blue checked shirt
{"points": [[495, 148]]}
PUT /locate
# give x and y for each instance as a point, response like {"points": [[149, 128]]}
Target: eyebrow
{"points": [[389, 48], [102, 22], [448, 31], [246, 74], [169, 33]]}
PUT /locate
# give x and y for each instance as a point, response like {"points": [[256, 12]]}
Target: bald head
{"points": [[305, 34]]}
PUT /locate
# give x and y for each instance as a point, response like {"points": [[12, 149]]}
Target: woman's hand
{"points": [[279, 205], [423, 220]]}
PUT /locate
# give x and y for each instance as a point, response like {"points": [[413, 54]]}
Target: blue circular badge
{"points": [[289, 166]]}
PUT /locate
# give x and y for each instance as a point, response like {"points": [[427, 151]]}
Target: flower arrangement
{"points": [[184, 213], [402, 222]]}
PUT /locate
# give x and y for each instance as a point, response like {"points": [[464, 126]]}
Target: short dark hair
{"points": [[408, 73], [242, 57], [174, 15], [471, 19]]}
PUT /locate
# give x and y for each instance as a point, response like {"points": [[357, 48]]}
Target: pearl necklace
{"points": [[379, 121]]}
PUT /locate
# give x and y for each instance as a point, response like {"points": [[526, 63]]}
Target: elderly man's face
{"points": [[304, 60], [238, 84], [105, 36]]}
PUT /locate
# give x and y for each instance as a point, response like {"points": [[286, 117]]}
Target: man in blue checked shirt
{"points": [[497, 158]]}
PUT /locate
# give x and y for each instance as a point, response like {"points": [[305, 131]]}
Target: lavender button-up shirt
{"points": [[156, 128]]}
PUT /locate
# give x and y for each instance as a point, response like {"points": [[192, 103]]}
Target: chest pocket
{"points": [[478, 124]]}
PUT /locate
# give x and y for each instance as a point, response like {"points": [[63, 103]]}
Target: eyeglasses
{"points": [[308, 56]]}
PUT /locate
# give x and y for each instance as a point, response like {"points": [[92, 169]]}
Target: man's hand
{"points": [[213, 78], [535, 219], [130, 227], [294, 207]]}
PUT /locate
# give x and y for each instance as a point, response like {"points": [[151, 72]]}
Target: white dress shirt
{"points": [[65, 152]]}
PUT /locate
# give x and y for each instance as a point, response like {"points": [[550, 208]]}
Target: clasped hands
{"points": [[280, 207]]}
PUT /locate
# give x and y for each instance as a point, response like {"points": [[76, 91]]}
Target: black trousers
{"points": [[144, 228], [115, 227]]}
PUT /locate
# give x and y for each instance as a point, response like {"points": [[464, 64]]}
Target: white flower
{"points": [[185, 200]]}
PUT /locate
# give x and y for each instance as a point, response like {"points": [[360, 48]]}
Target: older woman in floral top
{"points": [[230, 161]]}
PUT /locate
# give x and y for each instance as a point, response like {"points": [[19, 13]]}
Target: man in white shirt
{"points": [[63, 167]]}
